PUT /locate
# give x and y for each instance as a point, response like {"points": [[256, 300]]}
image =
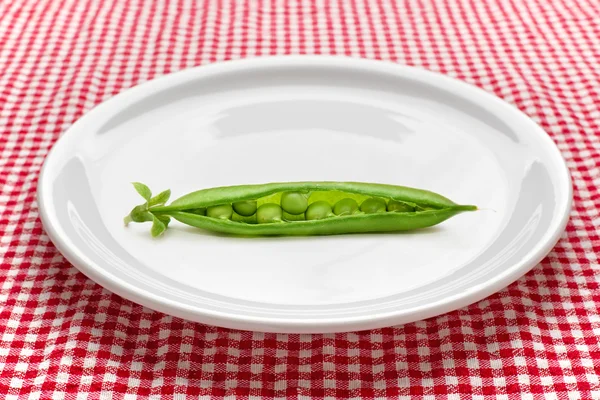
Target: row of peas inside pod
{"points": [[297, 206]]}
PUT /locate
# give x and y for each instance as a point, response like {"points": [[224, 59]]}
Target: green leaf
{"points": [[127, 220], [158, 227], [141, 214], [160, 198], [143, 190], [164, 219]]}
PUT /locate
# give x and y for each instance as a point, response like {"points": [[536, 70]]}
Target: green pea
{"points": [[240, 218], [222, 211], [345, 207], [268, 213], [398, 206], [373, 205], [294, 203], [245, 208], [289, 217], [318, 210]]}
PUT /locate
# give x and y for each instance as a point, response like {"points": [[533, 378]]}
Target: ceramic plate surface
{"points": [[306, 119]]}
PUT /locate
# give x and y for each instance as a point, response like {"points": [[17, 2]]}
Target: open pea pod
{"points": [[300, 209]]}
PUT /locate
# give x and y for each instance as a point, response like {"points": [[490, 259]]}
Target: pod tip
{"points": [[466, 208]]}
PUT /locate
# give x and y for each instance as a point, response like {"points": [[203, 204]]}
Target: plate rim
{"points": [[330, 324]]}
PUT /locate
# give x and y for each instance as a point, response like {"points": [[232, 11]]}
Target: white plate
{"points": [[296, 119]]}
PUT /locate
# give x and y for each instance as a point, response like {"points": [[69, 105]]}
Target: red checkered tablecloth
{"points": [[64, 337]]}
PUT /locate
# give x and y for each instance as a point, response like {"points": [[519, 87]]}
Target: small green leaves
{"points": [[144, 212], [164, 219], [160, 199], [143, 190], [158, 227], [138, 214], [141, 214]]}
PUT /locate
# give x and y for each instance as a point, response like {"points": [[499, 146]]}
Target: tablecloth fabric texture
{"points": [[64, 337]]}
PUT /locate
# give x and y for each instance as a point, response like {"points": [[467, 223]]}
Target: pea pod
{"points": [[422, 209]]}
